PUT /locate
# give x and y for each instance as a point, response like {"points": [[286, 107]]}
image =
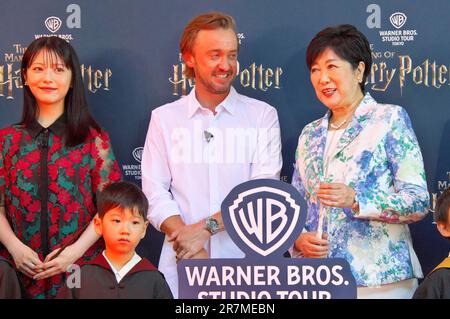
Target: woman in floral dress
{"points": [[361, 171], [52, 164]]}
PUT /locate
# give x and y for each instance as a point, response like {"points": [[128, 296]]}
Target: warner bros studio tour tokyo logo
{"points": [[263, 218]]}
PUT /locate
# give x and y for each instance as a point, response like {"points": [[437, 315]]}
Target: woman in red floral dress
{"points": [[52, 164]]}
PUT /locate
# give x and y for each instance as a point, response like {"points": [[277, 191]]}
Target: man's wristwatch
{"points": [[212, 225]]}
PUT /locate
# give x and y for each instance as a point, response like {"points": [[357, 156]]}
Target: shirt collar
{"points": [[228, 104], [365, 106], [101, 261], [126, 268], [58, 127]]}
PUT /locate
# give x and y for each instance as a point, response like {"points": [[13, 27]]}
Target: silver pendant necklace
{"points": [[338, 126]]}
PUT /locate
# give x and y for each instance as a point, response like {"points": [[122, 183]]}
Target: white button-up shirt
{"points": [[192, 159], [126, 268]]}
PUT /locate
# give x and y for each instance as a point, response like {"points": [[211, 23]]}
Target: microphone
{"points": [[208, 136]]}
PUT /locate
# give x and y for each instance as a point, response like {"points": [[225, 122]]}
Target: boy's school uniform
{"points": [[98, 281], [437, 284]]}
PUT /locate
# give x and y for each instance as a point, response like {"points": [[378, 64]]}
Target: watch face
{"points": [[212, 225]]}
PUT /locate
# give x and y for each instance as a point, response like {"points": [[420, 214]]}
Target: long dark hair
{"points": [[79, 118]]}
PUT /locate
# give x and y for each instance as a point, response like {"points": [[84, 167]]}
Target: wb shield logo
{"points": [[53, 24], [137, 154], [398, 19], [264, 217]]}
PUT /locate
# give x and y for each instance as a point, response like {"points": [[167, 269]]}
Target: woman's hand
{"points": [[58, 265], [312, 247], [336, 195], [27, 260]]}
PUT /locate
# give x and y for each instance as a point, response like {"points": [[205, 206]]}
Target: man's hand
{"points": [[202, 254], [189, 240]]}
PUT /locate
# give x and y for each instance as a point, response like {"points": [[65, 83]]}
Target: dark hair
{"points": [[124, 195], [442, 209], [347, 42], [79, 118], [205, 21]]}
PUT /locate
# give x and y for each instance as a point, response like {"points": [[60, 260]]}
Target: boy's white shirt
{"points": [[126, 268]]}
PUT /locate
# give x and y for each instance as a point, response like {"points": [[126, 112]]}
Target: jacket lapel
{"points": [[355, 127], [444, 264], [314, 152], [101, 262], [321, 141]]}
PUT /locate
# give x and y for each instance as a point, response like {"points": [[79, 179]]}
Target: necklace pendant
{"points": [[337, 126]]}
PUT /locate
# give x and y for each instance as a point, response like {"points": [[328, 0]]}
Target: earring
{"points": [[26, 83]]}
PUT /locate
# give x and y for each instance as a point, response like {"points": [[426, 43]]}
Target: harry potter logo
{"points": [[254, 76], [95, 79], [427, 73], [10, 78]]}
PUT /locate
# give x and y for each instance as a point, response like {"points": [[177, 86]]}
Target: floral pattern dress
{"points": [[379, 157], [48, 190]]}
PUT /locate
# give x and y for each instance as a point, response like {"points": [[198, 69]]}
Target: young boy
{"points": [[119, 272], [9, 283], [437, 284]]}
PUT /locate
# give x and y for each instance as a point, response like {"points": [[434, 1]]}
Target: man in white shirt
{"points": [[201, 146]]}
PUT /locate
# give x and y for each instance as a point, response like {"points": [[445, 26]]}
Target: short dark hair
{"points": [[79, 118], [347, 42], [205, 21], [442, 209], [124, 195]]}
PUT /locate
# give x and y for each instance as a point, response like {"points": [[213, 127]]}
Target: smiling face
{"points": [[49, 79], [335, 81], [122, 229], [214, 60]]}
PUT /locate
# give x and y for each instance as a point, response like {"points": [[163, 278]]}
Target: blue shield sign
{"points": [[263, 216]]}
